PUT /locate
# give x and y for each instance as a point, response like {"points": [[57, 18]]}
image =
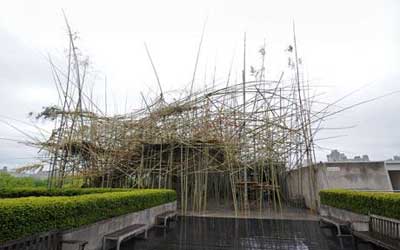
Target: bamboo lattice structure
{"points": [[229, 144]]}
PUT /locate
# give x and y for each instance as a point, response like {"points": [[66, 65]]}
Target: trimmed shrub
{"points": [[363, 202], [26, 192], [26, 216]]}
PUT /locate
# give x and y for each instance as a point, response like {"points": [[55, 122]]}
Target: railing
{"points": [[385, 226], [43, 241]]}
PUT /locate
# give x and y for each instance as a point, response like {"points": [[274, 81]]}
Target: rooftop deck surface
{"points": [[212, 233]]}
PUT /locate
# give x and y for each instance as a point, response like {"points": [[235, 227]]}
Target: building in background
{"points": [[395, 158], [336, 156]]}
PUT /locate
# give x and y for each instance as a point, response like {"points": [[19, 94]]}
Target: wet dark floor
{"points": [[205, 233]]}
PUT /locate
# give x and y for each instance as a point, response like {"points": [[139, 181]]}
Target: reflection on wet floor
{"points": [[285, 212], [206, 233]]}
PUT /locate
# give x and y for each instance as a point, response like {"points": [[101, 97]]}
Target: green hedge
{"points": [[26, 192], [26, 216], [363, 202]]}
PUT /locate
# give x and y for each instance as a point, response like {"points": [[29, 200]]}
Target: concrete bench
{"points": [[81, 244], [124, 233], [335, 222], [383, 232], [164, 217]]}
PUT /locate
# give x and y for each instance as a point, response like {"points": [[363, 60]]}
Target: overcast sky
{"points": [[344, 45]]}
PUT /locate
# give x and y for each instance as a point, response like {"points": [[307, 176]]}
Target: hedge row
{"points": [[363, 202], [26, 192], [26, 216]]}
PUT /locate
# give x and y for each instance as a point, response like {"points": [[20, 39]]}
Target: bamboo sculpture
{"points": [[227, 145]]}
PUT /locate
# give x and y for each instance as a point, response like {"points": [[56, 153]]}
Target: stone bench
{"points": [[125, 233], [164, 217], [335, 222]]}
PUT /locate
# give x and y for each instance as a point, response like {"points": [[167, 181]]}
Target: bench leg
{"points": [[118, 244], [82, 246], [355, 243], [145, 234], [339, 232], [104, 243], [341, 242]]}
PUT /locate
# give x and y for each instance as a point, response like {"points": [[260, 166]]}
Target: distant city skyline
{"points": [[335, 155]]}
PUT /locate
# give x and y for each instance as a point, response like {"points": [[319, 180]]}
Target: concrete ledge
{"points": [[359, 222], [93, 233]]}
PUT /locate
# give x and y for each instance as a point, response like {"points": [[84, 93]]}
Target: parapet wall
{"points": [[346, 175]]}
